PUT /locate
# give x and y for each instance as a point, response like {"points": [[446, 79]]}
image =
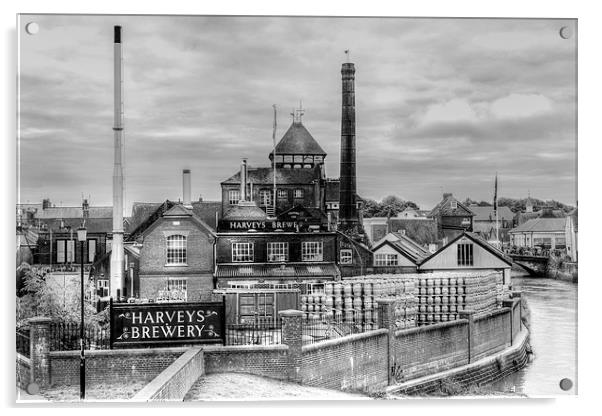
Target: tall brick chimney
{"points": [[186, 188], [348, 219]]}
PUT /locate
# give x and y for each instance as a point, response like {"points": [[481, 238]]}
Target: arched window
{"points": [[176, 249]]}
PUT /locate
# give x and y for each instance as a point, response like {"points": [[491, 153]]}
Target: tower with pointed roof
{"points": [[298, 149]]}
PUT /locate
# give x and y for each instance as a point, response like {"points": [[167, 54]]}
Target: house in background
{"points": [[421, 230], [397, 253], [546, 231], [484, 222], [452, 217], [468, 251]]}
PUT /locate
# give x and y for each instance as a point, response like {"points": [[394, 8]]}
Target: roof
{"points": [[444, 208], [245, 211], [406, 246], [65, 225], [306, 213], [27, 237], [74, 212], [206, 211], [277, 270], [298, 141], [423, 232], [475, 239], [144, 214], [488, 213], [541, 225], [265, 176]]}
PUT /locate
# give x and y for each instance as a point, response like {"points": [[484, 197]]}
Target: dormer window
{"points": [[454, 204]]}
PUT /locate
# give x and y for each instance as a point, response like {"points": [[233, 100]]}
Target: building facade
{"points": [[452, 217]]}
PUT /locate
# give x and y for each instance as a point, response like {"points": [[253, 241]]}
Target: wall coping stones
{"points": [[124, 352], [343, 340], [428, 328], [491, 314], [245, 348]]}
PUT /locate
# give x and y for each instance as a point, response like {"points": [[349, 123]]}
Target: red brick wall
{"points": [[357, 362], [491, 333], [429, 349], [133, 364], [267, 361]]}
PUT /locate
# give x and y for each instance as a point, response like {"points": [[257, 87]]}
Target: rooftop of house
{"points": [[73, 212], [488, 214], [445, 208], [265, 176], [245, 210], [541, 225], [298, 141]]}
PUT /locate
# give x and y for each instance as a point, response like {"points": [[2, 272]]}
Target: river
{"points": [[553, 337]]}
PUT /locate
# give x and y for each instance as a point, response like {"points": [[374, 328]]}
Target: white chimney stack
{"points": [[186, 192], [243, 180], [117, 282]]}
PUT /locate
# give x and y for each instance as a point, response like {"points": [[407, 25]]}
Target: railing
{"points": [[254, 333], [317, 330], [23, 343], [66, 337]]}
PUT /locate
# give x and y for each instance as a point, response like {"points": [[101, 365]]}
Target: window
{"points": [[233, 197], [282, 194], [308, 159], [454, 204], [277, 252], [298, 193], [311, 251], [91, 250], [60, 251], [465, 254], [288, 159], [242, 252], [318, 159], [386, 259], [265, 198], [465, 221], [346, 256], [298, 159], [560, 242], [176, 290], [70, 251], [176, 249]]}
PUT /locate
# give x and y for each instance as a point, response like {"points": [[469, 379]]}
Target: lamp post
{"points": [[81, 236]]}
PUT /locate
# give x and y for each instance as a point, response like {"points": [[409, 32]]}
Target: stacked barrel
{"points": [[442, 296]]}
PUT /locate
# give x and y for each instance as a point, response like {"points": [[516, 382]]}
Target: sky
{"points": [[441, 104]]}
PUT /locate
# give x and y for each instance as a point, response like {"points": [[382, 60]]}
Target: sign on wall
{"points": [[164, 324]]}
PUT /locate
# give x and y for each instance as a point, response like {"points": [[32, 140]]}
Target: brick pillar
{"points": [[509, 303], [469, 316], [40, 350], [386, 320], [291, 336]]}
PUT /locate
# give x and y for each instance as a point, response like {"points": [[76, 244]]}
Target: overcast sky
{"points": [[441, 104]]}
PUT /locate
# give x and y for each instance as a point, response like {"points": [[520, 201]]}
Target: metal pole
{"points": [[82, 358]]}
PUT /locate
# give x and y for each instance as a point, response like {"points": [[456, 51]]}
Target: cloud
{"points": [[520, 105]]}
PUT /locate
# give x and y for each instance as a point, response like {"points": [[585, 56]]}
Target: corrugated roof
{"points": [[265, 176], [276, 270], [74, 212], [488, 214], [541, 225], [298, 141]]}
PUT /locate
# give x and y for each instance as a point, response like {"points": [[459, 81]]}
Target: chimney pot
{"points": [[186, 188]]}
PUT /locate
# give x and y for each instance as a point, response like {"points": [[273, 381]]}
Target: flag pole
{"points": [[497, 225], [274, 140]]}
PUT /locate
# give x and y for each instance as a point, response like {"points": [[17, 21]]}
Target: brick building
{"points": [[452, 217]]}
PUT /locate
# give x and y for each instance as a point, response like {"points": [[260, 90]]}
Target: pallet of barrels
{"points": [[442, 296]]}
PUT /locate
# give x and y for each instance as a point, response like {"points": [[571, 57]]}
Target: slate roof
{"points": [[74, 212], [298, 141], [444, 208], [541, 225], [265, 176], [488, 214], [406, 246], [206, 210], [93, 225], [245, 211], [423, 231]]}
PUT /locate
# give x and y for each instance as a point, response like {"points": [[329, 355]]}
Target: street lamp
{"points": [[81, 237]]}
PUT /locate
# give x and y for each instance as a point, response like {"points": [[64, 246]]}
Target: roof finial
{"points": [[298, 113]]}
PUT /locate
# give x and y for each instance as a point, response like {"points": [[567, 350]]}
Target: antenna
{"points": [[348, 55]]}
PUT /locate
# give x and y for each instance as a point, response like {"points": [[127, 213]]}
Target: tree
{"points": [[390, 206]]}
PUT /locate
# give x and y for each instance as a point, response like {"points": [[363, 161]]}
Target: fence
{"points": [[325, 328], [66, 337], [23, 345], [254, 333]]}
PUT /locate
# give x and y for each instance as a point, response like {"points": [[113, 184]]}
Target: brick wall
{"points": [[357, 362], [268, 361], [429, 349], [199, 286], [23, 371], [102, 365], [491, 333]]}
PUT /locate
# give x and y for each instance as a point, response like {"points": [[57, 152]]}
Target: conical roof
{"points": [[298, 141]]}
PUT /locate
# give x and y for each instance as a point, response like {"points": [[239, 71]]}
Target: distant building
{"points": [[452, 217], [423, 231], [484, 222], [397, 253], [542, 232]]}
